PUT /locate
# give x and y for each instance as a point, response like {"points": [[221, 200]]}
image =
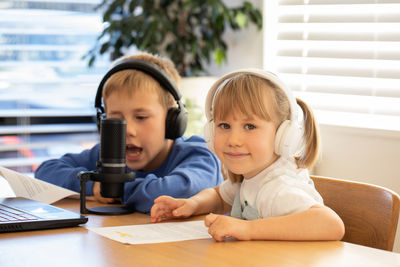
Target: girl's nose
{"points": [[235, 138]]}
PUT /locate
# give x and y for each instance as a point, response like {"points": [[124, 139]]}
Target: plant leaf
{"points": [[241, 19]]}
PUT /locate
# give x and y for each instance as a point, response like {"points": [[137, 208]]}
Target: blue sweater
{"points": [[189, 168]]}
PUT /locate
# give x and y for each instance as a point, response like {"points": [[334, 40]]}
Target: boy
{"points": [[178, 167]]}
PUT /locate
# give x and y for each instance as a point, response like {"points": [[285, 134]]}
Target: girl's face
{"points": [[245, 145], [146, 146]]}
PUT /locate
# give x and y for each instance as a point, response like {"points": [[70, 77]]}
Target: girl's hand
{"points": [[166, 207], [220, 226]]}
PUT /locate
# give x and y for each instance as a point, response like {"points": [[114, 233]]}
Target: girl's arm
{"points": [[316, 223], [206, 201], [210, 200]]}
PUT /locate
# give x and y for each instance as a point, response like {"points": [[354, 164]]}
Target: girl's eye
{"points": [[224, 126], [249, 127]]}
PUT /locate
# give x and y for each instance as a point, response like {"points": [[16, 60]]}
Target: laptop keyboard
{"points": [[13, 215]]}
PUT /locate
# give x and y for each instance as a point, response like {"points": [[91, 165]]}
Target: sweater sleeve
{"points": [[188, 172], [64, 171]]}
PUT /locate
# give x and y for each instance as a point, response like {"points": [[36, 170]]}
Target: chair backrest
{"points": [[369, 212]]}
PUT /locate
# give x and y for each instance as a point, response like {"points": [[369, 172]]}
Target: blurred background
{"points": [[46, 89]]}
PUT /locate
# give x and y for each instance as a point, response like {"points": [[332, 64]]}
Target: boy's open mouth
{"points": [[132, 150]]}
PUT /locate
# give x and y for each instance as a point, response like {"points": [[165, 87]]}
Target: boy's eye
{"points": [[249, 127], [141, 117], [223, 126]]}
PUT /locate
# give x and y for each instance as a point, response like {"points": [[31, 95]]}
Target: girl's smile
{"points": [[236, 155]]}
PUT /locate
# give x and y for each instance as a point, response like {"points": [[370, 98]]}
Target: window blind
{"points": [[341, 56], [46, 89]]}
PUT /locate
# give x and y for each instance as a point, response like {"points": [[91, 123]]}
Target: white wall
{"points": [[366, 155]]}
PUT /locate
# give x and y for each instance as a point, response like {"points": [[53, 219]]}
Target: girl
{"points": [[265, 150]]}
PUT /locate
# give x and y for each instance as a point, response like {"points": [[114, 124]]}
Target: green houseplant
{"points": [[189, 32]]}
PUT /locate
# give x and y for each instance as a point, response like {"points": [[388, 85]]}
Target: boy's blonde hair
{"points": [[252, 96], [131, 80]]}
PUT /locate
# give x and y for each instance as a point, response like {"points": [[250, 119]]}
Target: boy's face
{"points": [[146, 146]]}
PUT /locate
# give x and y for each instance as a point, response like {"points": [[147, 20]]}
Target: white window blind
{"points": [[46, 89], [341, 56]]}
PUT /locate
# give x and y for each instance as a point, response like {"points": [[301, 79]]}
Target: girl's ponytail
{"points": [[309, 154]]}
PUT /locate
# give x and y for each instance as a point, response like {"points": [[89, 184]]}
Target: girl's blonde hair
{"points": [[131, 81], [252, 96]]}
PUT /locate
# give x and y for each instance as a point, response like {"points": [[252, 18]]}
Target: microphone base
{"points": [[109, 210], [106, 210]]}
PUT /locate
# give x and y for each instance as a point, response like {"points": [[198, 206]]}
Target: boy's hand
{"points": [[166, 207], [97, 196], [221, 226]]}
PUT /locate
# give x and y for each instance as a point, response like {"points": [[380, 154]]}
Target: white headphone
{"points": [[289, 135]]}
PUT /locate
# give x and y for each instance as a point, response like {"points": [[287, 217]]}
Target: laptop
{"points": [[21, 214]]}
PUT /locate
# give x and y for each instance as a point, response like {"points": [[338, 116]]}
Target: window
{"points": [[341, 56], [46, 89]]}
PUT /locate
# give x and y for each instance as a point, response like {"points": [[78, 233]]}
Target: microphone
{"points": [[111, 172], [111, 162]]}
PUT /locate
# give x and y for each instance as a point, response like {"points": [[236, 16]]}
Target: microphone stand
{"points": [[105, 178]]}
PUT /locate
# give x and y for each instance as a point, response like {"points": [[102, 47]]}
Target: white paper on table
{"points": [[32, 188], [155, 232]]}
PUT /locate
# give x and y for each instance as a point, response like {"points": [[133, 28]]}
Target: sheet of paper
{"points": [[155, 232], [32, 188]]}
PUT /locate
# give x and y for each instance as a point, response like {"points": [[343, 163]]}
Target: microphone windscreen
{"points": [[112, 141], [112, 156]]}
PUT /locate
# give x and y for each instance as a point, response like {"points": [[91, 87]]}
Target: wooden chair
{"points": [[369, 212]]}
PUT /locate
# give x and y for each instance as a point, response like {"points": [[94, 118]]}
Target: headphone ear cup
{"points": [[209, 135], [100, 116], [287, 139], [175, 123]]}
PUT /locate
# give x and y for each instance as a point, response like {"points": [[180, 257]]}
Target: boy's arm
{"points": [[315, 223], [63, 171]]}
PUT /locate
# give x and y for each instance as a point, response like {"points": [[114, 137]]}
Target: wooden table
{"points": [[78, 246]]}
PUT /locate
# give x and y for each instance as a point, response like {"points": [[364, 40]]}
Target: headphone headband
{"points": [[147, 67], [176, 120]]}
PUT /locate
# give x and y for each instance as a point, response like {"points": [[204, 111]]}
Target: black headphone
{"points": [[176, 121]]}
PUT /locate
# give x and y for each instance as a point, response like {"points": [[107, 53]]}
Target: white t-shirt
{"points": [[278, 190]]}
